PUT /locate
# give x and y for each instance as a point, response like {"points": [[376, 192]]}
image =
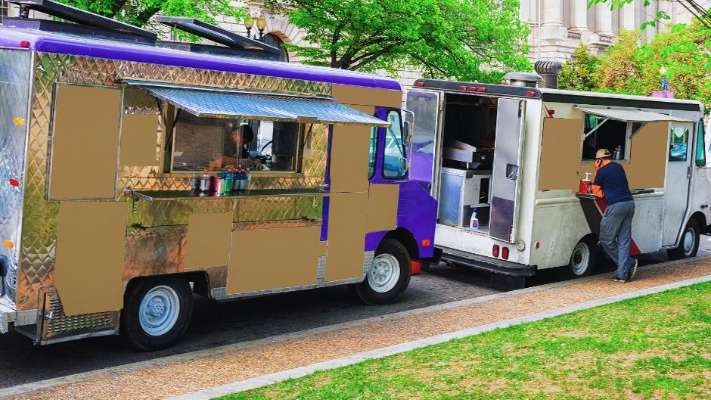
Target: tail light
{"points": [[420, 83], [14, 182], [495, 251], [505, 253]]}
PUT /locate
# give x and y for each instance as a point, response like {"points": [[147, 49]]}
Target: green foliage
{"points": [[139, 12], [464, 39], [578, 73], [630, 67]]}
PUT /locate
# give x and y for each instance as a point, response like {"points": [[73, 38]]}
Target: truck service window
{"points": [[604, 133], [216, 143], [394, 162]]}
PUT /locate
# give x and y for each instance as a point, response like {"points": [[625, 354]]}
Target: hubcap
{"points": [[159, 310], [688, 241], [384, 273], [580, 260]]}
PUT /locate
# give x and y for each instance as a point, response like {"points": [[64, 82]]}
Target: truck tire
{"points": [[689, 242], [389, 275], [584, 258], [156, 312]]}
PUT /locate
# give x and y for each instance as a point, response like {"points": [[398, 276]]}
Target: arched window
{"points": [[274, 40]]}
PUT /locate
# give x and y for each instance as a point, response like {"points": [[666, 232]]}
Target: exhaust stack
{"points": [[523, 79], [549, 70]]}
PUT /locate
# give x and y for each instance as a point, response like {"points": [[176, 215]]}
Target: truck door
{"points": [[505, 175], [676, 182], [426, 106]]}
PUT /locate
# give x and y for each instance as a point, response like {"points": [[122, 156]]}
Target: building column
{"points": [[628, 17], [579, 20], [553, 28], [603, 21]]}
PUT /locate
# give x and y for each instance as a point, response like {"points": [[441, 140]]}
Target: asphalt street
{"points": [[216, 324]]}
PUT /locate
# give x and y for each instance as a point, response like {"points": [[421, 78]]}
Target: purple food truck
{"points": [[136, 172]]}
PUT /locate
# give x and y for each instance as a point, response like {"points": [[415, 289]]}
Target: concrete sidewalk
{"points": [[231, 368]]}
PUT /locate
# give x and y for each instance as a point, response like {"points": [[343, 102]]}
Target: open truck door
{"points": [[505, 176], [426, 106]]}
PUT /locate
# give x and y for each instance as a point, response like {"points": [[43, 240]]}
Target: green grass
{"points": [[653, 347]]}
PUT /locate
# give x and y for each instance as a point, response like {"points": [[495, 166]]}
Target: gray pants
{"points": [[616, 235]]}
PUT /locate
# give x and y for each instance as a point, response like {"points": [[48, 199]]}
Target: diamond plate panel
{"points": [[159, 212], [261, 209], [14, 98], [85, 70], [56, 325]]}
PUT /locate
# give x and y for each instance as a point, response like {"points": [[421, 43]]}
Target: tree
{"points": [[578, 73], [464, 39], [619, 71], [139, 12], [630, 67]]}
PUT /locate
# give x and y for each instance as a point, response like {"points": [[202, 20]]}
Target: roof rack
{"points": [[217, 34], [80, 17]]}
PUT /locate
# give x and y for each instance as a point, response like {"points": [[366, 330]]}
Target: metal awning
{"points": [[630, 115], [228, 104]]}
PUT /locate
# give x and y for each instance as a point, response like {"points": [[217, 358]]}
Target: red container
{"points": [[585, 186]]}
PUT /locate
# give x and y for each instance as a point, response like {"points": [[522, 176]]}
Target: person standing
{"points": [[610, 183]]}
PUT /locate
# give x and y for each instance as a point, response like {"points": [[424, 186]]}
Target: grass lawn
{"points": [[653, 347]]}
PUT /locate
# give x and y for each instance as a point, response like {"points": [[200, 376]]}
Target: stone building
{"points": [[558, 27]]}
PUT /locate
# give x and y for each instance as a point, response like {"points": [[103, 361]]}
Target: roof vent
{"points": [[85, 22], [523, 79], [549, 70]]}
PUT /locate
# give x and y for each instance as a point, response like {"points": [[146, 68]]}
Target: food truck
{"points": [[134, 173], [506, 162]]}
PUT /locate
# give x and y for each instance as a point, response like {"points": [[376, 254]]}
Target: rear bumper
{"points": [[488, 264], [8, 315]]}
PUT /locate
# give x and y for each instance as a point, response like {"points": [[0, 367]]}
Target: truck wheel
{"points": [[584, 258], [389, 275], [156, 312], [689, 243]]}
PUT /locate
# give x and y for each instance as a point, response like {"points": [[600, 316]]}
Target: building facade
{"points": [[558, 27]]}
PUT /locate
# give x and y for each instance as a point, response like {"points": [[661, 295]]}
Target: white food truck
{"points": [[505, 163]]}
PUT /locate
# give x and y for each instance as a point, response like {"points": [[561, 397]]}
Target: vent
{"points": [[217, 34], [523, 79], [83, 21]]}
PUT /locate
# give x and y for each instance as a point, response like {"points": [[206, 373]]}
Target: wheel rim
{"points": [[384, 273], [159, 310], [688, 241], [580, 260]]}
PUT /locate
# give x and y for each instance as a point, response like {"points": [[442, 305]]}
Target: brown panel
{"points": [[349, 158], [347, 219], [139, 140], [560, 154], [367, 96], [208, 240], [273, 258], [85, 142], [91, 246], [648, 156], [370, 110], [382, 207]]}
